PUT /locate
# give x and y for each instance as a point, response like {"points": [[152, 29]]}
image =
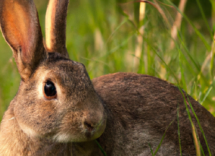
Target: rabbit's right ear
{"points": [[20, 27], [56, 26]]}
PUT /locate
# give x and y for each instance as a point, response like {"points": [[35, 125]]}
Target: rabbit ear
{"points": [[20, 27], [56, 26]]}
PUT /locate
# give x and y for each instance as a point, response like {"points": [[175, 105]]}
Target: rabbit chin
{"points": [[82, 134], [81, 137]]}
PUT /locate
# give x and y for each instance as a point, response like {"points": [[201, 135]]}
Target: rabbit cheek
{"points": [[36, 120], [70, 128]]}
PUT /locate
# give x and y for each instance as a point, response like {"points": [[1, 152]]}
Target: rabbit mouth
{"points": [[86, 133], [93, 132]]}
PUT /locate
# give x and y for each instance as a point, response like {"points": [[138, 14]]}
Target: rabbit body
{"points": [[141, 108], [59, 111]]}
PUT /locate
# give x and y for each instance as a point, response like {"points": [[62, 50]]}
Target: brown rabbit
{"points": [[59, 111], [56, 102]]}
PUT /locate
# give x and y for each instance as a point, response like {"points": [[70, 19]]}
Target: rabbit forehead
{"points": [[65, 72], [69, 77]]}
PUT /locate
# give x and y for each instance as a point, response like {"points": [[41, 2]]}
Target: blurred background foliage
{"points": [[131, 36]]}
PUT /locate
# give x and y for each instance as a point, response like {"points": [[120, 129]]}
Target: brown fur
{"points": [[126, 113], [140, 109]]}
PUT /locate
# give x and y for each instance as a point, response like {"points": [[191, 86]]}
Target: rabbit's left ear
{"points": [[19, 24], [56, 26]]}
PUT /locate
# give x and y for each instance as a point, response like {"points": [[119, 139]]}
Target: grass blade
{"points": [[205, 20], [100, 147], [194, 27], [162, 138], [179, 140], [185, 102]]}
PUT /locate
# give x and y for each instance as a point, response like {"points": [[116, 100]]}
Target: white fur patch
{"points": [[62, 137], [29, 131], [12, 118], [41, 86], [67, 137]]}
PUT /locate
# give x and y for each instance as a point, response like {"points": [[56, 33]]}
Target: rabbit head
{"points": [[56, 99]]}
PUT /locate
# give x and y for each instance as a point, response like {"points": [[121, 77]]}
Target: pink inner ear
{"points": [[19, 28]]}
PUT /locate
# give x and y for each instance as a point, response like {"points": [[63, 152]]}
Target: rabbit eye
{"points": [[50, 90]]}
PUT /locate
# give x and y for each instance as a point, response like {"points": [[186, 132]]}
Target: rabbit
{"points": [[56, 102], [58, 110]]}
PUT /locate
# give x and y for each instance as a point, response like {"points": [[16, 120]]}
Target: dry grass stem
{"points": [[196, 141], [177, 23], [138, 50]]}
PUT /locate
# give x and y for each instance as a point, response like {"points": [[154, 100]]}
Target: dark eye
{"points": [[50, 90]]}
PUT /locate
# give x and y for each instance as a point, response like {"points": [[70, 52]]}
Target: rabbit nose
{"points": [[89, 126]]}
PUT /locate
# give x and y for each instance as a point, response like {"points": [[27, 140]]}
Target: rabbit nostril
{"points": [[88, 126]]}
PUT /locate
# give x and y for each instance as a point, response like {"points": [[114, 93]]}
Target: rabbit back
{"points": [[141, 109]]}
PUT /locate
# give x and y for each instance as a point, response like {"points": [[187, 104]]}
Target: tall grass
{"points": [[104, 36]]}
